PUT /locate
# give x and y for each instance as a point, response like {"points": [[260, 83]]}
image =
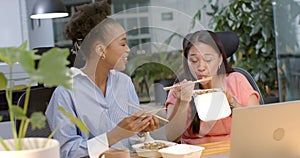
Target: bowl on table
{"points": [[182, 151], [150, 148], [211, 104]]}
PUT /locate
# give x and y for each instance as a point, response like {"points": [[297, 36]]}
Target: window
{"points": [[143, 25], [132, 26], [118, 7], [167, 16], [131, 7], [143, 6], [59, 24], [135, 19], [133, 43]]}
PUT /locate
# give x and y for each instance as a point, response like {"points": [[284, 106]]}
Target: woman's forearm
{"points": [[178, 120], [114, 136]]}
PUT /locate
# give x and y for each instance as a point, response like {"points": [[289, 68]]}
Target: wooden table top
{"points": [[216, 148]]}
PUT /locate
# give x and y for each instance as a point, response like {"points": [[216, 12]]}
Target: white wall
{"points": [[10, 27], [16, 26]]}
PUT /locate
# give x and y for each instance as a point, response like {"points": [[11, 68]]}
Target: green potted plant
{"points": [[52, 71], [159, 69]]}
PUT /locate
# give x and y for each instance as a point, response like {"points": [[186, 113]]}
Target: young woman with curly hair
{"points": [[100, 91]]}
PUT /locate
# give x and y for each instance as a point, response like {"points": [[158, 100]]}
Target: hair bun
{"points": [[86, 18]]}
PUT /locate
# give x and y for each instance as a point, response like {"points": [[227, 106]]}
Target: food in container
{"points": [[150, 148], [205, 91], [154, 145], [182, 151]]}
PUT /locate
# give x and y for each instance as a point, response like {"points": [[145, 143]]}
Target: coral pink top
{"points": [[219, 130]]}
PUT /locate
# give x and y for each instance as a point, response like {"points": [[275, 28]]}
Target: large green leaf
{"points": [[52, 69], [18, 112], [27, 60], [75, 120], [9, 55], [3, 81], [12, 55], [38, 120]]}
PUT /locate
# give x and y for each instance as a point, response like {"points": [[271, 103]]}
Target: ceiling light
{"points": [[46, 9]]}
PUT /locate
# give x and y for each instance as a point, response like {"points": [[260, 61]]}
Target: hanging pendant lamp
{"points": [[46, 9]]}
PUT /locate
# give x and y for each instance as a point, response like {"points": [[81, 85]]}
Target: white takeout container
{"points": [[211, 106], [150, 153], [182, 151]]}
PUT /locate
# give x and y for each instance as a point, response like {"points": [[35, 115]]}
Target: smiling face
{"points": [[117, 52], [109, 47], [105, 47], [203, 60]]}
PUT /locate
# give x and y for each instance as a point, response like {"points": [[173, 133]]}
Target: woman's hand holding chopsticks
{"points": [[129, 126], [138, 108], [197, 81], [184, 91]]}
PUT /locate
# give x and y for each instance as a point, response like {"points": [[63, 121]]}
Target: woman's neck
{"points": [[98, 73]]}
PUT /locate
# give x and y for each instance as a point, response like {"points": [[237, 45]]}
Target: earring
{"points": [[101, 53], [102, 56]]}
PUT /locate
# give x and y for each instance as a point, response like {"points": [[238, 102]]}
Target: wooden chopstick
{"points": [[136, 107], [157, 110], [201, 80]]}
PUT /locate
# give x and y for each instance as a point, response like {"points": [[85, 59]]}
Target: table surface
{"points": [[216, 148]]}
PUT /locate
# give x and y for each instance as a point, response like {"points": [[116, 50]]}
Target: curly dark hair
{"points": [[86, 18]]}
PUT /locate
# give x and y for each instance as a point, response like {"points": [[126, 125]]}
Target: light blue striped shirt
{"points": [[100, 113]]}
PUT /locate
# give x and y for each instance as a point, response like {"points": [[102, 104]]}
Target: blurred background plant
{"points": [[149, 68], [253, 22]]}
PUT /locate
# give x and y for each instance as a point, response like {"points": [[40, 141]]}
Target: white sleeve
{"points": [[97, 145]]}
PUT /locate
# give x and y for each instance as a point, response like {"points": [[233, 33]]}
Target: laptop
{"points": [[266, 131]]}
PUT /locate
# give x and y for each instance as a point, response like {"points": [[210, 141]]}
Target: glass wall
{"points": [[133, 15], [287, 29], [59, 24]]}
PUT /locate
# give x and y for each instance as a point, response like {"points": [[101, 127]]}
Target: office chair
{"points": [[38, 102], [231, 41]]}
